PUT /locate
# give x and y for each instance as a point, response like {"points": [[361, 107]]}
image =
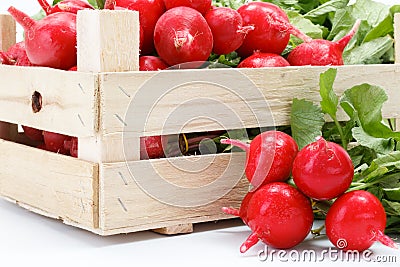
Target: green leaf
{"points": [[330, 100], [93, 3], [100, 4], [342, 22], [304, 24], [234, 4], [391, 207], [392, 225], [230, 60], [369, 10], [392, 193], [318, 13], [377, 191], [361, 155], [391, 160], [306, 120], [364, 104], [380, 145], [369, 52]]}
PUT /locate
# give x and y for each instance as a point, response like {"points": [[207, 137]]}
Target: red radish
{"points": [[260, 60], [242, 212], [72, 6], [321, 52], [17, 51], [270, 157], [41, 146], [151, 63], [24, 61], [271, 29], [149, 13], [55, 142], [18, 54], [279, 215], [72, 146], [200, 5], [50, 42], [33, 133], [227, 27], [74, 68], [152, 147], [5, 59], [356, 220], [183, 35], [323, 170]]}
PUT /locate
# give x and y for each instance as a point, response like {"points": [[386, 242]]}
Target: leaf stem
{"points": [[340, 129]]}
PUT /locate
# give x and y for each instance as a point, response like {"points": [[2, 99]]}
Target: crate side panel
{"points": [[231, 105], [61, 186], [204, 184], [69, 99]]}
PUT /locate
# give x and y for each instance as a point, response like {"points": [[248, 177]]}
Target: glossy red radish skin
{"points": [[151, 63], [323, 170], [227, 27], [71, 145], [261, 60], [50, 42], [242, 212], [321, 52], [149, 13], [33, 133], [18, 54], [153, 147], [183, 35], [72, 6], [271, 29], [5, 59], [279, 215], [356, 220], [55, 142], [270, 157], [17, 50], [203, 6]]}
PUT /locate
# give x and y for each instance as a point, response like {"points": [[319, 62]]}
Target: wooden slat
{"points": [[7, 39], [102, 48], [58, 186], [278, 85], [7, 32], [108, 40], [126, 207], [397, 38], [184, 228], [196, 107], [69, 99]]}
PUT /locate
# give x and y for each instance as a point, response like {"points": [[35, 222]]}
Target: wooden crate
{"points": [[108, 189]]}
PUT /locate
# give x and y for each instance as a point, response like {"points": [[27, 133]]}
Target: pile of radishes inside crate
{"points": [[300, 172]]}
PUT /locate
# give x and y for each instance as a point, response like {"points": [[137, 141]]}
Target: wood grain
{"points": [[397, 38], [108, 40], [126, 206], [69, 99], [60, 186], [102, 48], [7, 39], [7, 32], [136, 104]]}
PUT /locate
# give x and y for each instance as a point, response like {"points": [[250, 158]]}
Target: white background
{"points": [[28, 239]]}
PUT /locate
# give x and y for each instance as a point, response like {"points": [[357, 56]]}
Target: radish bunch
{"points": [[181, 31], [281, 215]]}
